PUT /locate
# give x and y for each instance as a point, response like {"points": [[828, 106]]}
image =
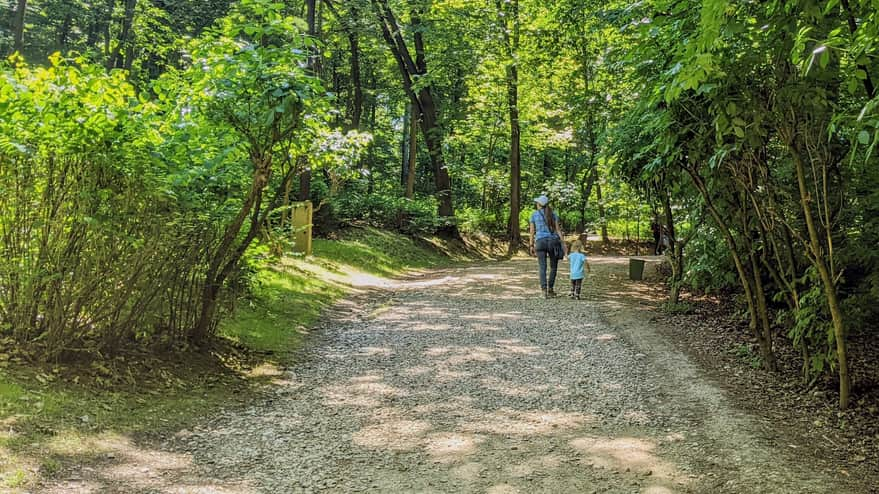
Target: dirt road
{"points": [[466, 381]]}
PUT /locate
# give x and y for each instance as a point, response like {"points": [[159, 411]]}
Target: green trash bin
{"points": [[636, 269]]}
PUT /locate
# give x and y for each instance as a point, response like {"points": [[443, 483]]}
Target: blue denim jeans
{"points": [[546, 249]]}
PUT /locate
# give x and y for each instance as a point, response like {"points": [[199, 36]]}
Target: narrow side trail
{"points": [[466, 381]]}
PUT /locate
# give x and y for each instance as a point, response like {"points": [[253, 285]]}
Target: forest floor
{"points": [[463, 380]]}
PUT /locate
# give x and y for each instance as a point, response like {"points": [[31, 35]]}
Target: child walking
{"points": [[578, 263]]}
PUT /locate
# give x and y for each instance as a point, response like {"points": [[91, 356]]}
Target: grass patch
{"points": [[53, 417], [378, 252], [290, 296]]}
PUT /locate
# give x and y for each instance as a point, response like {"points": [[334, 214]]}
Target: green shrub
{"points": [[475, 220], [387, 211]]}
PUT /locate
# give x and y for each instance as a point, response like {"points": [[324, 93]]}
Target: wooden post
{"points": [[302, 217]]}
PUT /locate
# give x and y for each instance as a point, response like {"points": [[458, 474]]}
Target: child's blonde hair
{"points": [[577, 246]]}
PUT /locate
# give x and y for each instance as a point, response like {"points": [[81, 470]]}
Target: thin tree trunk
{"points": [[18, 26], [511, 36], [118, 60], [413, 151], [357, 103], [214, 275], [744, 279], [370, 155], [604, 238], [676, 257], [310, 16], [853, 27], [64, 32], [515, 156], [817, 258], [590, 177], [404, 147], [108, 40], [489, 161]]}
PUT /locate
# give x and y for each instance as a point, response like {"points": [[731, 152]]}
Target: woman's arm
{"points": [[531, 240]]}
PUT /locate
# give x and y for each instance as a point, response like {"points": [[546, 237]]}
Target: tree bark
{"points": [[413, 151], [357, 103], [676, 258], [423, 99], [604, 238], [510, 26], [18, 26], [215, 276], [123, 53], [64, 32], [766, 353], [311, 20], [818, 260]]}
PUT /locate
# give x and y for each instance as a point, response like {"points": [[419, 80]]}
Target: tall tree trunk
{"points": [[515, 163], [64, 32], [124, 50], [370, 161], [18, 26], [853, 27], [413, 151], [676, 258], [404, 147], [311, 20], [602, 218], [547, 167], [486, 169], [590, 177], [433, 140], [424, 100], [764, 327], [108, 40], [508, 13], [357, 103]]}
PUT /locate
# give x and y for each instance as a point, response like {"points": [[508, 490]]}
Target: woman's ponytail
{"points": [[550, 218]]}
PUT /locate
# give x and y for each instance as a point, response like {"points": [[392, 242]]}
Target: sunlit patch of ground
{"points": [[371, 351], [637, 417], [510, 389], [449, 376], [448, 447], [518, 347], [634, 454], [266, 369], [394, 435], [503, 489], [115, 460], [361, 391], [511, 422]]}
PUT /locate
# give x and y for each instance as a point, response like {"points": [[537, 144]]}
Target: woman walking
{"points": [[546, 242]]}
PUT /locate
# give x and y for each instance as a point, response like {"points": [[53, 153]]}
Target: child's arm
{"points": [[588, 268]]}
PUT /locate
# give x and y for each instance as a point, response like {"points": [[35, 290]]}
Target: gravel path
{"points": [[467, 382]]}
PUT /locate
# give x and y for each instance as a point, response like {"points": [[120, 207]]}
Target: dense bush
{"points": [[100, 188], [387, 211], [475, 220]]}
